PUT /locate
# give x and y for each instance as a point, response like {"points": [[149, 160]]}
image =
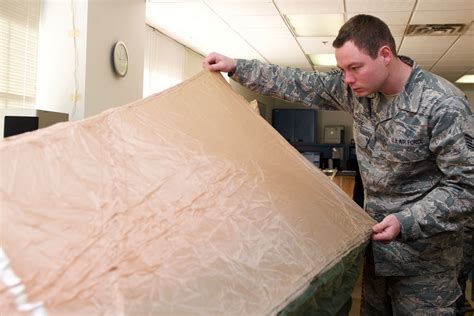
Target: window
{"points": [[19, 24]]}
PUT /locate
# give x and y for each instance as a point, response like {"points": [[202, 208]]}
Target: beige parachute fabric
{"points": [[183, 203]]}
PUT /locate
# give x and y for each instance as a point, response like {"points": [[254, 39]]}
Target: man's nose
{"points": [[349, 79]]}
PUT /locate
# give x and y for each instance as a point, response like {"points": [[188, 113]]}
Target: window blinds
{"points": [[164, 62], [19, 24], [167, 62]]}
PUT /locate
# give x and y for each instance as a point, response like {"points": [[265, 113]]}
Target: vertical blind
{"points": [[164, 62], [167, 62], [19, 24]]}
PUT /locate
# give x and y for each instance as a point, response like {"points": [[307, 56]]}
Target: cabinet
{"points": [[295, 125], [298, 127]]}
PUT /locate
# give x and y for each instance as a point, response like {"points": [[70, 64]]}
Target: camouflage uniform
{"points": [[416, 158], [467, 265]]}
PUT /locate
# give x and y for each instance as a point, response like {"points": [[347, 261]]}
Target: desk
{"points": [[346, 183]]}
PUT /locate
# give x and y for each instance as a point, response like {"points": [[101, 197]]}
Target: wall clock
{"points": [[120, 59]]}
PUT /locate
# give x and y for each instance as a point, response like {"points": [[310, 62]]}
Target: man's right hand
{"points": [[218, 62]]}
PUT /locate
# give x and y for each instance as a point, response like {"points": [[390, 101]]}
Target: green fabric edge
{"points": [[330, 293]]}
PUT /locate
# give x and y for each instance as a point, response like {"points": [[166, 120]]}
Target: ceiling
{"points": [[265, 29]]}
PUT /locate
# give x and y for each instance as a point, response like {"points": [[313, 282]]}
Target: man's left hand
{"points": [[387, 230]]}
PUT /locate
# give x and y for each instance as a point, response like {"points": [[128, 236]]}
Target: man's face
{"points": [[362, 73]]}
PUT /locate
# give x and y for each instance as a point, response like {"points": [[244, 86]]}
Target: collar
{"points": [[410, 97]]}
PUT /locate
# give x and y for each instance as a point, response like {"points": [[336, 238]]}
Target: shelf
{"points": [[328, 151]]}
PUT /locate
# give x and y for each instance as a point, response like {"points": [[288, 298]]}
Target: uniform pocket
{"points": [[468, 128]]}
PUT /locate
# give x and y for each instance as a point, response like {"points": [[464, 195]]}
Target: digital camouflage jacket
{"points": [[415, 154]]}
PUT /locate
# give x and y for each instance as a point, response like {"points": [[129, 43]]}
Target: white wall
{"points": [[99, 24], [57, 71], [110, 21]]}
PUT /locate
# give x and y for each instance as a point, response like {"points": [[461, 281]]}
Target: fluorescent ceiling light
{"points": [[323, 59], [466, 79], [316, 25]]}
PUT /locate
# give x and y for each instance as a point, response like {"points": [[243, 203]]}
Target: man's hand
{"points": [[218, 62], [387, 230]]}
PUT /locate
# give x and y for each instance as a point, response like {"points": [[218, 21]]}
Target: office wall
{"points": [[61, 62], [78, 78], [108, 22]]}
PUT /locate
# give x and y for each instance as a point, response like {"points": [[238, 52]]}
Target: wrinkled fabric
{"points": [[184, 203], [414, 151]]}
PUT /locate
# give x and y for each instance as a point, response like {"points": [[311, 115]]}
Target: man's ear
{"points": [[386, 53]]}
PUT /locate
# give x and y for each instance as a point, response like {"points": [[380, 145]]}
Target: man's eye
{"points": [[355, 68]]}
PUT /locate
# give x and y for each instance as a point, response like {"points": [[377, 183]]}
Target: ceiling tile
{"points": [[265, 32], [445, 5], [427, 65], [316, 25], [255, 21], [451, 76], [396, 21], [310, 6], [425, 57], [235, 1], [450, 61], [470, 30], [265, 44], [425, 60], [397, 30], [172, 1], [397, 39], [414, 44], [451, 68], [242, 8], [396, 18], [369, 6], [196, 26], [179, 16], [463, 44], [286, 47], [442, 17], [316, 45]]}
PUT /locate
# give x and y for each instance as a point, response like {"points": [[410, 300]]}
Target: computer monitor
{"points": [[14, 125]]}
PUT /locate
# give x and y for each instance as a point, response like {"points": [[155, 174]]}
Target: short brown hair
{"points": [[368, 33]]}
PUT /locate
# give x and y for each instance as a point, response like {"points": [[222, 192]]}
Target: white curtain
{"points": [[164, 62], [19, 24]]}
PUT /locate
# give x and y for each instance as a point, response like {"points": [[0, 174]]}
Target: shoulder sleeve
{"points": [[325, 91]]}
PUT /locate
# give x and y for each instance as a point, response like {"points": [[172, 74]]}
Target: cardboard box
{"points": [[334, 134]]}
